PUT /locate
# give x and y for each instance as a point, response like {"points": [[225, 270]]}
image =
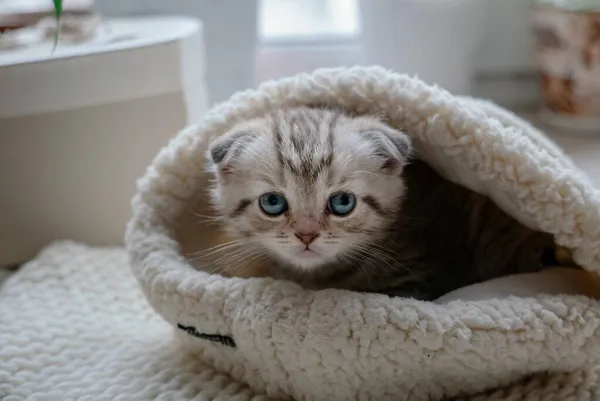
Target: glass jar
{"points": [[567, 51]]}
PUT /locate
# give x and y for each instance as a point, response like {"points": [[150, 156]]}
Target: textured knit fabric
{"points": [[74, 326], [338, 345]]}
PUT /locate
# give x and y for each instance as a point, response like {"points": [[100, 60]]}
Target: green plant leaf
{"points": [[58, 9]]}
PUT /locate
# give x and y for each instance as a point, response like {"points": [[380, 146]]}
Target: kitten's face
{"points": [[309, 186]]}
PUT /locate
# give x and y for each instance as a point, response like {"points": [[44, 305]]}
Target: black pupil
{"points": [[273, 200], [344, 200]]}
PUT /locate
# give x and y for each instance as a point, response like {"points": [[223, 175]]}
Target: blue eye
{"points": [[341, 203], [273, 204]]}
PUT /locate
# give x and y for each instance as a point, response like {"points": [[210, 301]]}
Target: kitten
{"points": [[333, 201]]}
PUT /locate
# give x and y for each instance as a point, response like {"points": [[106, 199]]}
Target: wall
{"points": [[229, 34], [77, 171], [504, 60], [506, 47]]}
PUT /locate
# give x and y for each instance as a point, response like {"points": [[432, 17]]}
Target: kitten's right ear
{"points": [[226, 147], [391, 145]]}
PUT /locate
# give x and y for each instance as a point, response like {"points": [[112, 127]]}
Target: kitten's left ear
{"points": [[227, 146], [393, 146]]}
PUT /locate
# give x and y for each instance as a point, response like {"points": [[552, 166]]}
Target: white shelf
{"points": [[128, 59]]}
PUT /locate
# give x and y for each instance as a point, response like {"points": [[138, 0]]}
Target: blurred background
{"points": [[249, 41], [81, 120]]}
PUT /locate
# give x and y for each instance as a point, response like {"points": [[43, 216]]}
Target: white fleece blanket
{"points": [[337, 345]]}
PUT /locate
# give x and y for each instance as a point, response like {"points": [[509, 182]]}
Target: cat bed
{"points": [[289, 342]]}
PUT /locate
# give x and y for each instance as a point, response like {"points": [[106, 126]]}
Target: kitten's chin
{"points": [[307, 259]]}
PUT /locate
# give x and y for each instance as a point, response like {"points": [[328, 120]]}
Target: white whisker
{"points": [[219, 247]]}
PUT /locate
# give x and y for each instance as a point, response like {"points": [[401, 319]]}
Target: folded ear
{"points": [[394, 147], [225, 148]]}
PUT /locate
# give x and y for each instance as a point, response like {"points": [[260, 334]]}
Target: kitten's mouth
{"points": [[307, 252]]}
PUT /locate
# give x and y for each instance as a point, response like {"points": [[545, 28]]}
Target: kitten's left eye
{"points": [[273, 204], [341, 203]]}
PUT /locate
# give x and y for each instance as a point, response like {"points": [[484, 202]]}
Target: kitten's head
{"points": [[309, 186]]}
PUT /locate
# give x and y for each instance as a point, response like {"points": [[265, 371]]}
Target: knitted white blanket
{"points": [[74, 326], [339, 345]]}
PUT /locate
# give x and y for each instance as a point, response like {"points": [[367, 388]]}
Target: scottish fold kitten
{"points": [[333, 201]]}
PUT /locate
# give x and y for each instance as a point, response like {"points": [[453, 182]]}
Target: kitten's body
{"points": [[410, 233], [444, 237]]}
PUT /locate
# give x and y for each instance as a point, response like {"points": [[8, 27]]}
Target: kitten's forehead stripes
{"points": [[331, 146], [275, 128], [303, 133], [303, 129]]}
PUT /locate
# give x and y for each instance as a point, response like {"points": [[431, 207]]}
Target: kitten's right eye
{"points": [[273, 204]]}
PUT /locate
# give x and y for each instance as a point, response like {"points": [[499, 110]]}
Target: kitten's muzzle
{"points": [[307, 238]]}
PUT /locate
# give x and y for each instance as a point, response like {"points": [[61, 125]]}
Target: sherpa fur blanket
{"points": [[338, 345]]}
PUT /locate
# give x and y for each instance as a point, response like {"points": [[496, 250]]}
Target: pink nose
{"points": [[306, 238]]}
